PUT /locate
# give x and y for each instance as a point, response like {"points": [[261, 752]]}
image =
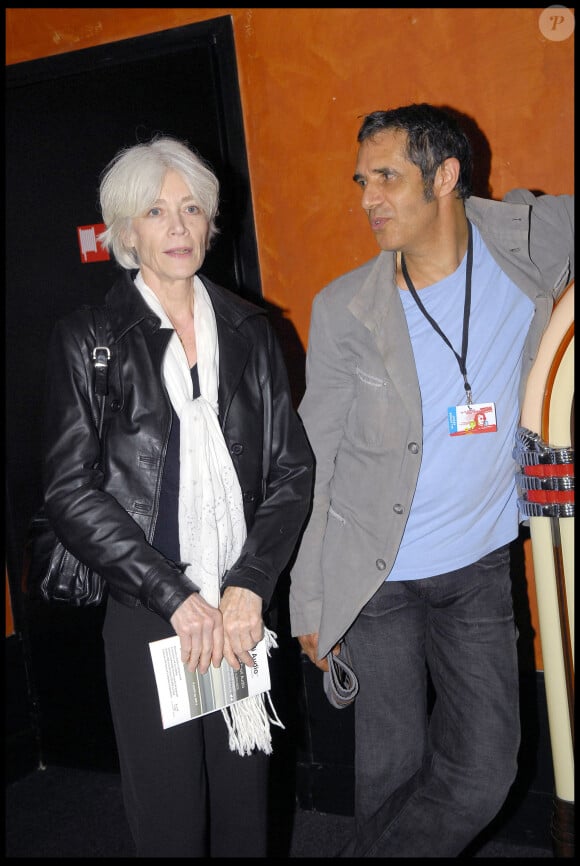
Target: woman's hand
{"points": [[201, 633], [243, 624]]}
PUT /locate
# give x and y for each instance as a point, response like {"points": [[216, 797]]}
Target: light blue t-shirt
{"points": [[465, 504]]}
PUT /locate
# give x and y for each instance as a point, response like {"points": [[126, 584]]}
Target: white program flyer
{"points": [[184, 696]]}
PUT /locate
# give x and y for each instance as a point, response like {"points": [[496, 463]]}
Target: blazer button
{"points": [[381, 564], [398, 508], [115, 405], [237, 448], [413, 447]]}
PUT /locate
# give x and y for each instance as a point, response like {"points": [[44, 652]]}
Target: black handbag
{"points": [[52, 573]]}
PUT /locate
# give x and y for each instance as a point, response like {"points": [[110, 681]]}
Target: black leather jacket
{"points": [[103, 504]]}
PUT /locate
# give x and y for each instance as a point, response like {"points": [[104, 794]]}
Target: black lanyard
{"points": [[466, 309]]}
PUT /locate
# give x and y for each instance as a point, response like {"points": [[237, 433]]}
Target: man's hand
{"points": [[309, 645]]}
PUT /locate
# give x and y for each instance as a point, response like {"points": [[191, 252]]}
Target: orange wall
{"points": [[306, 78]]}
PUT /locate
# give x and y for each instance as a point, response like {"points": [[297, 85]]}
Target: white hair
{"points": [[132, 182]]}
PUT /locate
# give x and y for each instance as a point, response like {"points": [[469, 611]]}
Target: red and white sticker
{"points": [[91, 249]]}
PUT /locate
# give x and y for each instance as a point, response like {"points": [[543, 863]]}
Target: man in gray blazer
{"points": [[404, 563]]}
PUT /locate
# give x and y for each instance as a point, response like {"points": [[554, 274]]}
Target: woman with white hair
{"points": [[189, 506]]}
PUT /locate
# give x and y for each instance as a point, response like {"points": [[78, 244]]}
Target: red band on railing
{"points": [[549, 496], [559, 470]]}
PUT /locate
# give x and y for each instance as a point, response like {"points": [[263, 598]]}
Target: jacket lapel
{"points": [[234, 351], [234, 347], [378, 307]]}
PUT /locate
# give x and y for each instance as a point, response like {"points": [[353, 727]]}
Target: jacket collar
{"points": [[371, 304], [505, 228], [126, 308]]}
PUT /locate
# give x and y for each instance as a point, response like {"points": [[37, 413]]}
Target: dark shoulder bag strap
{"points": [[101, 357]]}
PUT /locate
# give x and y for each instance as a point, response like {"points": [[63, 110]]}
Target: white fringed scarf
{"points": [[212, 528]]}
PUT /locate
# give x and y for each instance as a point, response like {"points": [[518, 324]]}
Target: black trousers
{"points": [[185, 793]]}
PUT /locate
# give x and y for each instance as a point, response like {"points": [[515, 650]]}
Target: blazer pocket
{"points": [[336, 515], [370, 411]]}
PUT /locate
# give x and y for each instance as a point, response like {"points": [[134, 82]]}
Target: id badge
{"points": [[474, 419]]}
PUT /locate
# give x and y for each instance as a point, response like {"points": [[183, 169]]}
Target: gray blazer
{"points": [[362, 407]]}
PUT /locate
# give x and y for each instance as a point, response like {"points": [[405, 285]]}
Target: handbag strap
{"points": [[101, 355]]}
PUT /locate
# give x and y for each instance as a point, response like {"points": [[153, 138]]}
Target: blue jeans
{"points": [[428, 780]]}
